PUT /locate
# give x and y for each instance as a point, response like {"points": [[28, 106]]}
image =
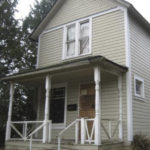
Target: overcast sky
{"points": [[143, 6]]}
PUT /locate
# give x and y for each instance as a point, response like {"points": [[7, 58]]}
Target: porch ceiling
{"points": [[68, 66]]}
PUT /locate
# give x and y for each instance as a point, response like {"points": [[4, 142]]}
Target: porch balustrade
{"points": [[84, 134], [23, 130]]}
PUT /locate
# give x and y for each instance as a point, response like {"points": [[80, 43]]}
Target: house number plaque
{"points": [[72, 107]]}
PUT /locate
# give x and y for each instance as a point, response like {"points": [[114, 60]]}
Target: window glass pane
{"points": [[71, 49], [84, 29], [70, 45], [71, 33], [57, 105], [84, 45], [84, 38], [138, 87]]}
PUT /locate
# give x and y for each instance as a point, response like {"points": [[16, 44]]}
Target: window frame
{"points": [[142, 95], [77, 37], [61, 125]]}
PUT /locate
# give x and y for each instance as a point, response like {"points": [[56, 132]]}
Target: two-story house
{"points": [[92, 78]]}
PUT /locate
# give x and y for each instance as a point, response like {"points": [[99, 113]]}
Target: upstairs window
{"points": [[77, 39], [139, 87], [70, 43], [84, 38]]}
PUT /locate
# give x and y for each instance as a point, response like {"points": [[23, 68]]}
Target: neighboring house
{"points": [[92, 76]]}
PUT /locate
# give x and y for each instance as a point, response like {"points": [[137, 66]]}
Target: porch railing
{"points": [[22, 130], [86, 128], [110, 128]]}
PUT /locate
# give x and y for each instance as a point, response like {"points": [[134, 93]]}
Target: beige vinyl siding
{"points": [[140, 56], [110, 99], [51, 48], [75, 9], [108, 40], [109, 37]]}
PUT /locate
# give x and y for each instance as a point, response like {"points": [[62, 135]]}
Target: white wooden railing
{"points": [[88, 135], [85, 135], [44, 124], [24, 129], [110, 128]]}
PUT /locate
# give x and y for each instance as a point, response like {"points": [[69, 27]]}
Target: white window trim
{"points": [[77, 27], [61, 125], [142, 96]]}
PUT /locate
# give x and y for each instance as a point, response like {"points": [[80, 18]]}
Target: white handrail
{"points": [[60, 134], [22, 122], [36, 130], [86, 136]]}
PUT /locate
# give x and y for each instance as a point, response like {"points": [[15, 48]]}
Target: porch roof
{"points": [[104, 63]]}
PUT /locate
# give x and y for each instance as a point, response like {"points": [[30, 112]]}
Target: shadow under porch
{"points": [[79, 89]]}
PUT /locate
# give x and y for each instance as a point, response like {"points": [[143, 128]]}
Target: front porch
{"points": [[82, 104]]}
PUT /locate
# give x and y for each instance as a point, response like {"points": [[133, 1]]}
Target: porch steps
{"points": [[19, 145]]}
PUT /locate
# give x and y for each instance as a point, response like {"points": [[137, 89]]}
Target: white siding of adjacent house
{"points": [[140, 65]]}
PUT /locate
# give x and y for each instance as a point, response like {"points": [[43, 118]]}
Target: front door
{"points": [[87, 103]]}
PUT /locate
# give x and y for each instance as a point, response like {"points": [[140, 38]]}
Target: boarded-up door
{"points": [[87, 103]]}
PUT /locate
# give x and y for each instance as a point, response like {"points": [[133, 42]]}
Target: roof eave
{"points": [[93, 60]]}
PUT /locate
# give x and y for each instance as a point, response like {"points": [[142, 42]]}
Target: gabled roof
{"points": [[132, 11]]}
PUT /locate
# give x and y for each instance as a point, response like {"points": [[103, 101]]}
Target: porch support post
{"points": [[46, 114], [120, 108], [8, 127], [97, 79]]}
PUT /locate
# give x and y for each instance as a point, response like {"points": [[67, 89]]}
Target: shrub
{"points": [[140, 142]]}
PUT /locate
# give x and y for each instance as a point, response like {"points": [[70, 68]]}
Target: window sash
{"points": [[139, 87], [57, 106], [84, 37], [79, 43]]}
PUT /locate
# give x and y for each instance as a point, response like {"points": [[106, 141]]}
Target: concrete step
{"points": [[18, 145]]}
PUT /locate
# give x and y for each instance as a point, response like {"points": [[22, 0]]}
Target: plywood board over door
{"points": [[87, 103]]}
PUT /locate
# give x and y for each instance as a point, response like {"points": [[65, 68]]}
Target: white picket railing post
{"points": [[83, 132], [46, 115], [97, 79], [8, 127], [50, 131], [110, 128], [120, 108], [77, 132], [25, 131]]}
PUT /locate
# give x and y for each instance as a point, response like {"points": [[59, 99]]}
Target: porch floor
{"points": [[20, 145]]}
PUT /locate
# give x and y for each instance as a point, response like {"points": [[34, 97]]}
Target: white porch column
{"points": [[46, 114], [120, 108], [97, 79], [8, 127]]}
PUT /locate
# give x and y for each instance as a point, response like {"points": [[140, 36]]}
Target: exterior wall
{"points": [[140, 56], [51, 45], [108, 40], [110, 101], [75, 9], [109, 37]]}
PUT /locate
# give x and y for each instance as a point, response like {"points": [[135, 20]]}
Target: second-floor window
{"points": [[77, 39]]}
